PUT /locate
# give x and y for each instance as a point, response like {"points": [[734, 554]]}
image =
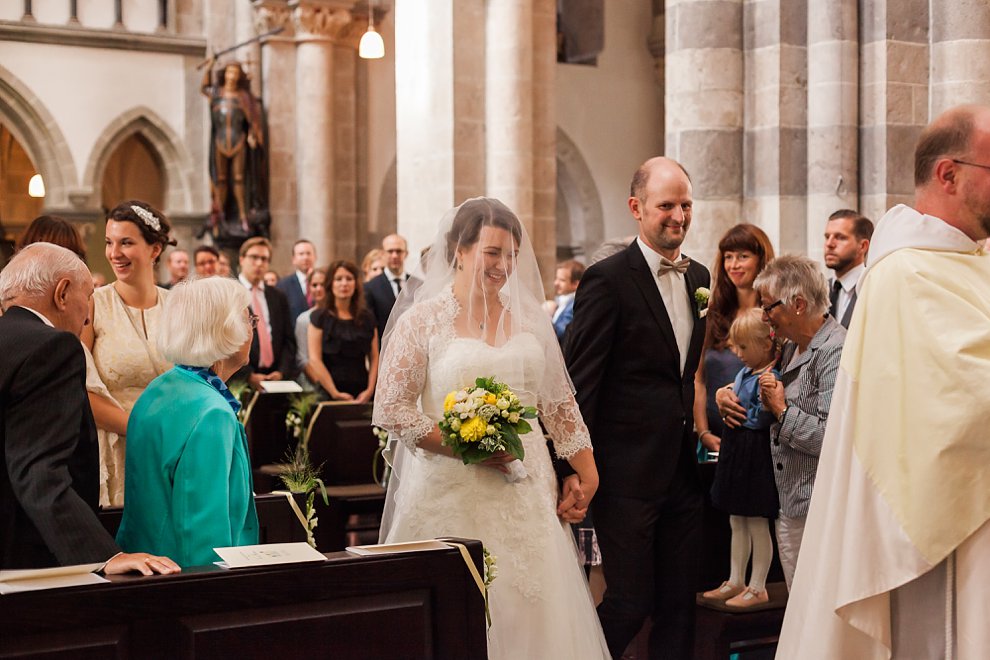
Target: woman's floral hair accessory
{"points": [[147, 217]]}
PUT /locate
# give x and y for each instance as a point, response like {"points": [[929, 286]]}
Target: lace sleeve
{"points": [[563, 421], [401, 378]]}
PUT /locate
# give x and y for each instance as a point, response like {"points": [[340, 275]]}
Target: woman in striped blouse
{"points": [[794, 297]]}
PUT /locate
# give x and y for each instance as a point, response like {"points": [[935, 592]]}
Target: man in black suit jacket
{"points": [[294, 284], [380, 293], [632, 351], [272, 308], [49, 486]]}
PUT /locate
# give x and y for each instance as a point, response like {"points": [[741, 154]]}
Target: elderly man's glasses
{"points": [[772, 306], [963, 162]]}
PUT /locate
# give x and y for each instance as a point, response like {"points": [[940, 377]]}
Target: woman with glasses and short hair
{"points": [[794, 297], [189, 486]]}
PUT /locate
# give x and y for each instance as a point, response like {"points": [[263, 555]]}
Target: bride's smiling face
{"points": [[489, 262]]}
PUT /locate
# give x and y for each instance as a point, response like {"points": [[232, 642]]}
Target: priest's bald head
{"points": [[952, 169]]}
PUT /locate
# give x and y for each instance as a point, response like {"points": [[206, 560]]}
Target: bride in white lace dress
{"points": [[477, 314]]}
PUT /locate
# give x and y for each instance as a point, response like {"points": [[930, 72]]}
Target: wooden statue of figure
{"points": [[238, 160]]}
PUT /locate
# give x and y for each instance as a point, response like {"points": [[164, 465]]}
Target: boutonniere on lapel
{"points": [[701, 297]]}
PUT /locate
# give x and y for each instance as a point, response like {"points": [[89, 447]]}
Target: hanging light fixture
{"points": [[36, 186], [372, 47]]}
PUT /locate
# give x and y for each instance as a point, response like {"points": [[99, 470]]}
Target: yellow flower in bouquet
{"points": [[473, 429], [448, 403]]}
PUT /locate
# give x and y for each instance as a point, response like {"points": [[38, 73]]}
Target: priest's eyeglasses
{"points": [[963, 162]]}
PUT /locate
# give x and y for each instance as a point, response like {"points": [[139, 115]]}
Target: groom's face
{"points": [[664, 211]]}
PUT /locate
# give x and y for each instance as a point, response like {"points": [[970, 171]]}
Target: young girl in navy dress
{"points": [[744, 484]]}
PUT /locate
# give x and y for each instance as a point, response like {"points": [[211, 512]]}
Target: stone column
{"points": [[960, 52], [278, 71], [775, 145], [440, 118], [317, 23], [833, 114], [520, 130], [894, 100], [704, 112]]}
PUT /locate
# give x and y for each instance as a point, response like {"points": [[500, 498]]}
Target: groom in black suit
{"points": [[632, 351], [50, 481]]}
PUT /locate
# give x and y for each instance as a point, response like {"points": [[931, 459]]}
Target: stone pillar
{"points": [[833, 114], [520, 127], [345, 197], [894, 100], [704, 112], [775, 145], [278, 71], [960, 52], [440, 118], [317, 23]]}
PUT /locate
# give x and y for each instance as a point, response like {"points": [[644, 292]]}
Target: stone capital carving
{"points": [[273, 14], [321, 19]]}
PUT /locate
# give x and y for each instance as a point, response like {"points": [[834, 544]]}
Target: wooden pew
{"points": [[341, 440], [417, 605], [276, 521], [268, 439]]}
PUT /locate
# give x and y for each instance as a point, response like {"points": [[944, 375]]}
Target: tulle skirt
{"points": [[540, 603]]}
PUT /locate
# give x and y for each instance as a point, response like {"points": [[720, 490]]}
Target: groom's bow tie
{"points": [[666, 265]]}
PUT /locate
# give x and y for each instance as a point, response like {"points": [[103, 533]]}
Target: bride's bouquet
{"points": [[484, 420]]}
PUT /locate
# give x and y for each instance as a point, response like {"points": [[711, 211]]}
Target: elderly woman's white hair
{"points": [[789, 276], [204, 321], [36, 269]]}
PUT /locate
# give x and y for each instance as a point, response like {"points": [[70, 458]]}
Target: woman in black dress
{"points": [[342, 339]]}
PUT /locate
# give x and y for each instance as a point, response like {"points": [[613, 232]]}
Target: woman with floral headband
{"points": [[122, 356]]}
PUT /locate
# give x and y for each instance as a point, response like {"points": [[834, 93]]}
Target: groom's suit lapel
{"points": [[645, 281], [692, 282]]}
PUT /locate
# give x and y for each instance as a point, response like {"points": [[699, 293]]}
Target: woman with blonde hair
{"points": [[189, 473], [373, 264], [121, 339]]}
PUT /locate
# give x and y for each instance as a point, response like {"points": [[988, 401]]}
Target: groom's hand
{"points": [[573, 504]]}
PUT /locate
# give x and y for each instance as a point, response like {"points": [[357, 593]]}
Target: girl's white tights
{"points": [[750, 533]]}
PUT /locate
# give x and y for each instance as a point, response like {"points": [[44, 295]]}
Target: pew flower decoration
{"points": [[238, 388], [701, 297], [300, 476], [297, 418], [484, 420], [382, 436]]}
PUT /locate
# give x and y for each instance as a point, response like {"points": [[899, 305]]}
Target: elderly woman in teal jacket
{"points": [[188, 487]]}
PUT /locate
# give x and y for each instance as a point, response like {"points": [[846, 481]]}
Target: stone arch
{"points": [[175, 160], [580, 219], [36, 130]]}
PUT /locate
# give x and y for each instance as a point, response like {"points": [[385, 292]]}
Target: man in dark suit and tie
{"points": [[294, 285], [847, 240], [380, 293], [49, 485], [632, 351], [273, 351]]}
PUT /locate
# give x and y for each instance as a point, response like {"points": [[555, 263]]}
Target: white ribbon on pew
{"points": [[295, 507], [474, 573]]}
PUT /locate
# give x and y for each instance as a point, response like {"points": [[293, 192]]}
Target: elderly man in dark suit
{"points": [[632, 351], [49, 487], [273, 351]]}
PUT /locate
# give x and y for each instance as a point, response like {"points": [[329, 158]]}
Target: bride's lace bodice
{"points": [[425, 360]]}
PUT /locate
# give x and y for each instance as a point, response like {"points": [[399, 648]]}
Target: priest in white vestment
{"points": [[895, 561]]}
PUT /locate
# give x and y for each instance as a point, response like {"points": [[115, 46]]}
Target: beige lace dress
{"points": [[125, 358]]}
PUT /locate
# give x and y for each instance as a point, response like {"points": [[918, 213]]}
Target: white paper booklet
{"points": [[246, 556], [34, 579], [395, 548], [280, 386]]}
